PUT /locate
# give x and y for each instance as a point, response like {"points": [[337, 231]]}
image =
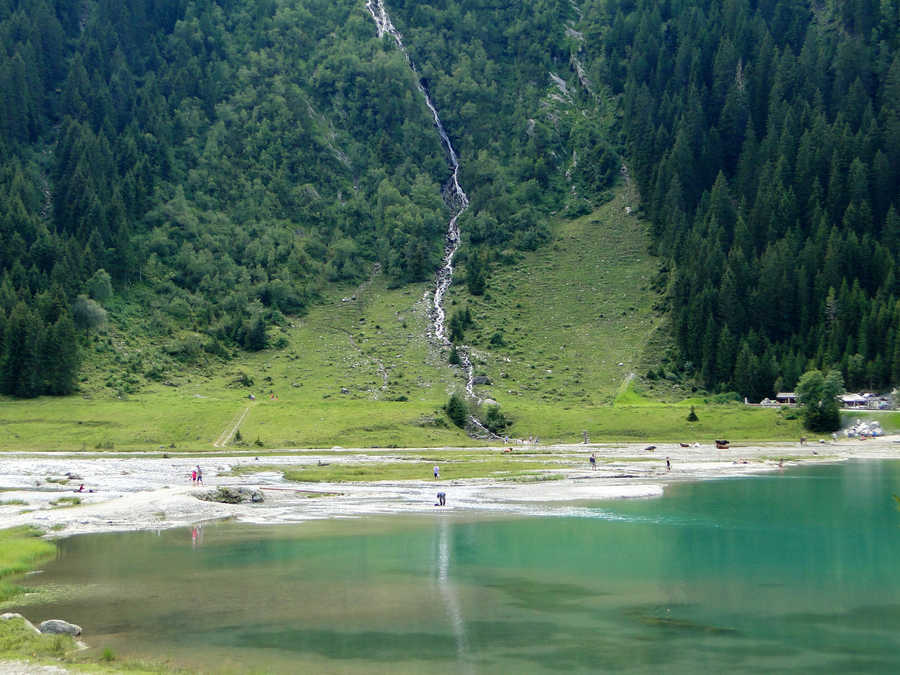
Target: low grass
{"points": [[455, 467], [13, 502], [21, 549], [575, 316], [19, 641], [63, 502]]}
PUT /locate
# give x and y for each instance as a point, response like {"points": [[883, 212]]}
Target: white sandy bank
{"points": [[140, 492]]}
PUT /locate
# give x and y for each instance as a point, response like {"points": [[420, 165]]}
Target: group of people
{"points": [[197, 476]]}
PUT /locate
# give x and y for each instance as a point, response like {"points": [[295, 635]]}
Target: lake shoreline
{"points": [[129, 492]]}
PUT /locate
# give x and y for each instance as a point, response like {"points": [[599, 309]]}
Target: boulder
{"points": [[59, 627], [8, 616], [232, 495], [481, 379]]}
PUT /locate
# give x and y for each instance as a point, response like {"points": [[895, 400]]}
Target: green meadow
{"points": [[560, 333]]}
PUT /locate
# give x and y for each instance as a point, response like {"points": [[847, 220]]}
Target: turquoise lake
{"points": [[795, 571]]}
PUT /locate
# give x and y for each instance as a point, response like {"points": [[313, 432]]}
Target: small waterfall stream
{"points": [[454, 196]]}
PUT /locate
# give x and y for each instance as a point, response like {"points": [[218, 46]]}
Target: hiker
{"points": [[593, 462], [199, 475], [437, 472], [194, 476], [668, 464], [442, 499]]}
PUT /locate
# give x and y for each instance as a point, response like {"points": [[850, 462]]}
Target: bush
{"points": [[88, 314], [692, 416], [495, 420]]}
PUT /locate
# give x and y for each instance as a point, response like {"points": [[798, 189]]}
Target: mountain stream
{"points": [[456, 200]]}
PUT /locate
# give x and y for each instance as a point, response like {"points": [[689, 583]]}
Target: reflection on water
{"points": [[774, 573], [448, 593]]}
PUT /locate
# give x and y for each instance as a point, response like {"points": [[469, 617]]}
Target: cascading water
{"points": [[455, 197]]}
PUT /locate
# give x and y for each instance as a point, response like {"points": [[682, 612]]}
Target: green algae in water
{"points": [[786, 572]]}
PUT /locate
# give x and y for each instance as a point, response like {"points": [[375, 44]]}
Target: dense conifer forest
{"points": [[199, 170], [765, 137]]}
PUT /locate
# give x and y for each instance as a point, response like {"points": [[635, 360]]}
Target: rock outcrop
{"points": [[233, 495]]}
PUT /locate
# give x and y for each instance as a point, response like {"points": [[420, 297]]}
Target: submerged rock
{"points": [[232, 495], [59, 627]]}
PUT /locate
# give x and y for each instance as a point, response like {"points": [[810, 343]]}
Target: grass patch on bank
{"points": [[64, 502], [456, 467], [19, 641], [21, 549]]}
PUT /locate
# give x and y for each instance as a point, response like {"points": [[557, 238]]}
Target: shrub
{"points": [[495, 420]]}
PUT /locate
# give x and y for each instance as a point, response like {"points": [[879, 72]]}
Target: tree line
{"points": [[765, 138]]}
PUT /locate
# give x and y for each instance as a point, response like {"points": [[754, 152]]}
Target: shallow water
{"points": [[794, 571]]}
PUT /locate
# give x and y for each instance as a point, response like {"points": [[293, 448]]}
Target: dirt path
{"points": [[226, 436]]}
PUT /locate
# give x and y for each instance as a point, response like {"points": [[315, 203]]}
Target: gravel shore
{"points": [[141, 492]]}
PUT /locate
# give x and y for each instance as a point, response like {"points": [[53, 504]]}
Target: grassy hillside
{"points": [[357, 371]]}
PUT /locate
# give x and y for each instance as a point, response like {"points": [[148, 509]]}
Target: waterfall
{"points": [[454, 196]]}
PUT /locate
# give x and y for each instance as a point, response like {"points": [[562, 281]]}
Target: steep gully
{"points": [[456, 200]]}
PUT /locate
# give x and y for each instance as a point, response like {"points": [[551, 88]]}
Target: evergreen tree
{"points": [[19, 365], [457, 410]]}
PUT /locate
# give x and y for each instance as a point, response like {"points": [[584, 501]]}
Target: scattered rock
{"points": [[481, 379], [232, 495], [344, 390], [864, 428], [72, 476], [59, 627]]}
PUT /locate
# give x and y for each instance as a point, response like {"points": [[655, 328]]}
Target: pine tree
{"points": [[59, 357], [19, 365]]}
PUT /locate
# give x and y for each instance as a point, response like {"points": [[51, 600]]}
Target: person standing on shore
{"points": [[593, 462], [437, 472], [194, 476], [199, 475], [668, 464]]}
